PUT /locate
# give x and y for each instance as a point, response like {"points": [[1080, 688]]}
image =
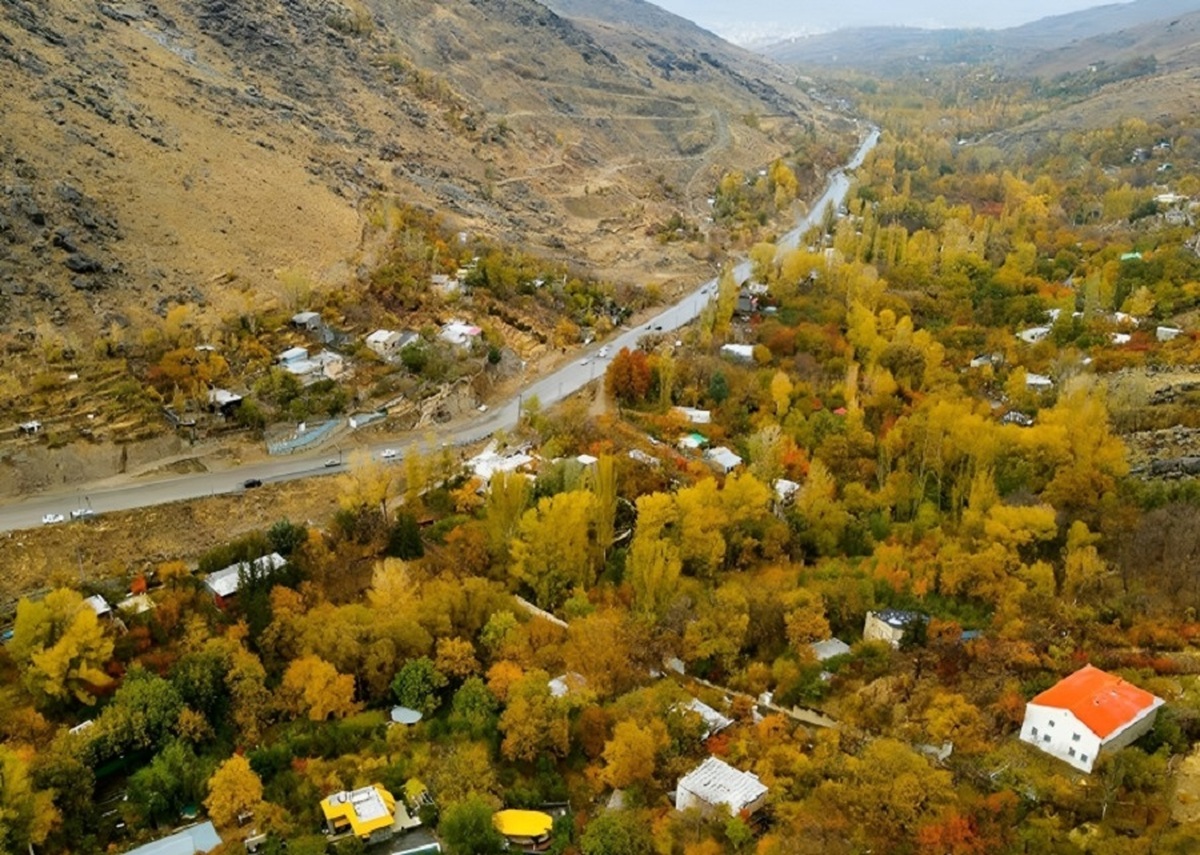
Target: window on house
{"points": [[1083, 757], [1052, 722], [1071, 752], [1074, 737], [1046, 738], [1034, 731]]}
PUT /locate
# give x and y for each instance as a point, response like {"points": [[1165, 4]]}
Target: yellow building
{"points": [[364, 812], [527, 830]]}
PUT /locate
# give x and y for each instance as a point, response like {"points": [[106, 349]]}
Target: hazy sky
{"points": [[759, 19]]}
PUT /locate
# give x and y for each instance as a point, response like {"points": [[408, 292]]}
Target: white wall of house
{"points": [[876, 629], [1132, 733], [1058, 733]]}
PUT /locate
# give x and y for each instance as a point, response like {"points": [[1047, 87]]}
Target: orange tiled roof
{"points": [[1101, 701]]}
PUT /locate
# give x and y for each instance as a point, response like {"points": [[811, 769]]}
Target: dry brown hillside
{"points": [[186, 151]]}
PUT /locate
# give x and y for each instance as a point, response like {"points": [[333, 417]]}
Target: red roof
{"points": [[1101, 701]]}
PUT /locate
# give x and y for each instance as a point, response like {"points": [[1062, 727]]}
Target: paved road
{"points": [[28, 512]]}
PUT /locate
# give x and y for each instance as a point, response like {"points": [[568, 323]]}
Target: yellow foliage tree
{"points": [[534, 722], [62, 647], [554, 549], [313, 687], [630, 756], [233, 789]]}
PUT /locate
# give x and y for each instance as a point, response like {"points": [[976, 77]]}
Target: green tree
{"points": [[417, 685], [617, 832], [473, 709], [466, 828], [172, 781], [404, 539], [142, 715]]}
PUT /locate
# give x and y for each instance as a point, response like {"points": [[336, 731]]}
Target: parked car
{"points": [[51, 519], [251, 483], [388, 454], [332, 462], [82, 513], [603, 352]]}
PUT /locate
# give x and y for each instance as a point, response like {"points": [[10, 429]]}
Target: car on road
{"points": [[82, 513], [603, 352], [583, 361], [388, 454], [332, 462], [251, 483], [658, 326], [51, 519]]}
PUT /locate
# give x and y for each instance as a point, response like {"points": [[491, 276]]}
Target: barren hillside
{"points": [[189, 150]]}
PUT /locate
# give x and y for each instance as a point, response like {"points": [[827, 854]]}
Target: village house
{"points": [[890, 625], [723, 459], [1088, 713], [829, 648], [309, 369], [739, 352], [715, 786], [224, 583], [694, 416], [714, 722], [459, 334], [192, 840], [389, 343], [369, 813], [692, 441], [224, 402]]}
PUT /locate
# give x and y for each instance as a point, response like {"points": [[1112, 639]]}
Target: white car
{"points": [[583, 361], [603, 352], [331, 463], [51, 519], [388, 454], [82, 513]]}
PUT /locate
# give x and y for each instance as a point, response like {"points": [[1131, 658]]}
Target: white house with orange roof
{"points": [[1086, 713]]}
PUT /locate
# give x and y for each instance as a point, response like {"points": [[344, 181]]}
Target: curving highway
{"points": [[29, 512]]}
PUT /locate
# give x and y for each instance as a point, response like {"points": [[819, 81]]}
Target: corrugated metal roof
{"points": [[716, 782], [227, 581]]}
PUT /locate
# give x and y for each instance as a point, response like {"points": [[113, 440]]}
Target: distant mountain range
{"points": [[1018, 48]]}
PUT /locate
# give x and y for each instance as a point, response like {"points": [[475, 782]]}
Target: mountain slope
{"points": [[154, 153]]}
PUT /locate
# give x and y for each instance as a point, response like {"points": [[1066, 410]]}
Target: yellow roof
{"points": [[367, 809], [522, 823]]}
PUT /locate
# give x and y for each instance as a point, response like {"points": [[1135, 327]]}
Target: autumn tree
{"points": [[555, 549], [630, 756], [628, 376], [233, 789], [61, 646], [312, 687], [507, 501], [534, 722], [653, 564], [27, 814]]}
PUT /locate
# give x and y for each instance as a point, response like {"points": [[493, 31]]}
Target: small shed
{"points": [[310, 321]]}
